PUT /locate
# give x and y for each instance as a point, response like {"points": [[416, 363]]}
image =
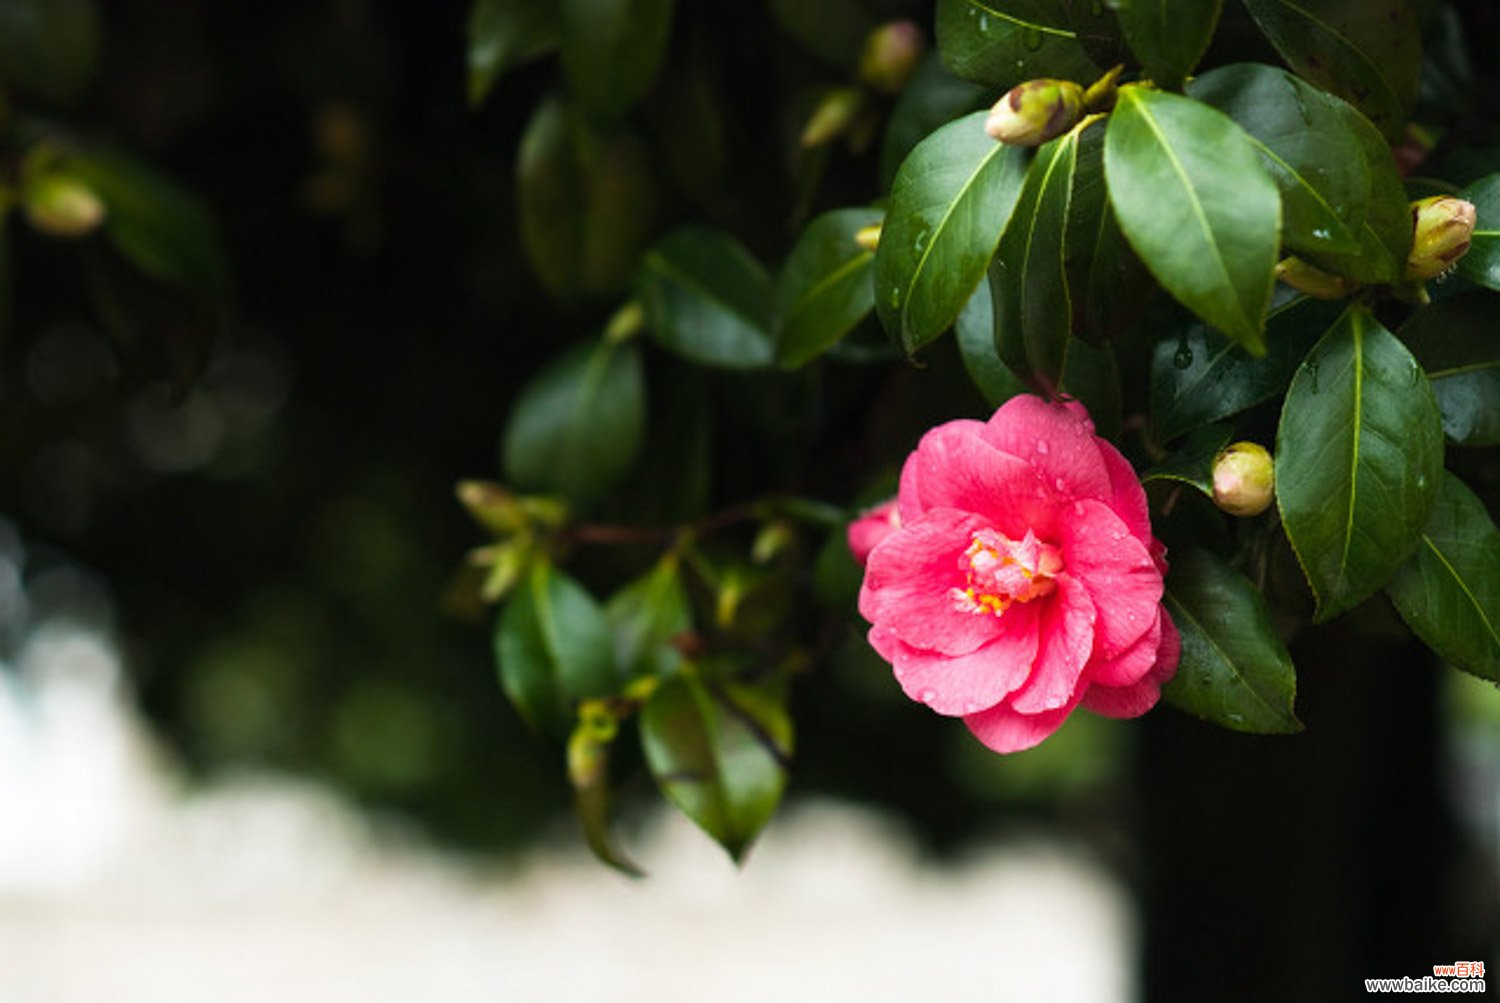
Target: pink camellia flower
{"points": [[1022, 579], [869, 529]]}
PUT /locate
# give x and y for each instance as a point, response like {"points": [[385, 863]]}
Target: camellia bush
{"points": [[1235, 334]]}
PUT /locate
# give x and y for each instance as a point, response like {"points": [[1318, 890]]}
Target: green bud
{"points": [[1035, 112], [868, 237], [493, 507], [890, 55], [626, 323], [506, 563], [1443, 226], [1244, 479], [1313, 281], [834, 115], [62, 206], [773, 538]]}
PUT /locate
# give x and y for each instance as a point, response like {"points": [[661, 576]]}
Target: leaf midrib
{"points": [[1225, 657], [1068, 149], [801, 303], [658, 262], [1357, 427], [1464, 587], [1193, 201], [1045, 29]]}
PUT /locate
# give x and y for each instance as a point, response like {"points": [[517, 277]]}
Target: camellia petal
{"points": [[1136, 698], [1004, 729], [1117, 570], [1127, 497], [909, 583], [964, 684], [1067, 641], [955, 468], [1132, 664], [1057, 441]]}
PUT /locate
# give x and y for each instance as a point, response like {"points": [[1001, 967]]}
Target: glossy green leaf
{"points": [[1005, 42], [505, 33], [1481, 265], [1359, 453], [1305, 143], [948, 207], [933, 98], [1198, 376], [1168, 36], [157, 226], [975, 331], [577, 426], [1385, 236], [1455, 341], [49, 48], [1090, 373], [824, 288], [1368, 52], [1234, 670], [1028, 280], [553, 648], [1192, 463], [1108, 284], [1449, 592], [719, 753], [612, 50], [707, 299], [1197, 206], [585, 201], [647, 616]]}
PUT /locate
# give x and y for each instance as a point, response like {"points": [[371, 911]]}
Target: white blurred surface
{"points": [[115, 888]]}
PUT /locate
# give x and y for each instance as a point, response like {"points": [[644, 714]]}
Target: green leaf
{"points": [[1358, 455], [1089, 373], [824, 287], [1109, 286], [1305, 143], [1481, 265], [647, 616], [1449, 592], [933, 98], [585, 201], [577, 426], [506, 33], [1234, 669], [612, 50], [1192, 463], [948, 207], [158, 227], [1455, 342], [49, 48], [975, 331], [1197, 206], [1004, 42], [1198, 376], [719, 754], [1385, 237], [1368, 52], [553, 648], [1028, 280], [588, 769], [1168, 36], [707, 299]]}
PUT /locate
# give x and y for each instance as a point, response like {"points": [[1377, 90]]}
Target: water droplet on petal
{"points": [[1060, 484], [927, 696], [1042, 446]]}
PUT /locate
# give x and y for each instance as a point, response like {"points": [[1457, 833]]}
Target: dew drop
{"points": [[1042, 447], [921, 242], [1032, 38], [984, 23], [1421, 481], [1183, 356], [1060, 484], [1321, 234], [1414, 376], [1078, 508], [1312, 374], [895, 297], [927, 696]]}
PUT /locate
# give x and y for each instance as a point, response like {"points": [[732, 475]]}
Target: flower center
{"points": [[1000, 571]]}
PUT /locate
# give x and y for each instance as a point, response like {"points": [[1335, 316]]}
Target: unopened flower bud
{"points": [[493, 507], [1035, 112], [62, 206], [1443, 227], [868, 237], [891, 53], [1244, 479], [835, 113], [1313, 281]]}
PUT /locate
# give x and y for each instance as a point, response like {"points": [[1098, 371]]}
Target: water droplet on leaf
{"points": [[1183, 356], [1032, 38]]}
